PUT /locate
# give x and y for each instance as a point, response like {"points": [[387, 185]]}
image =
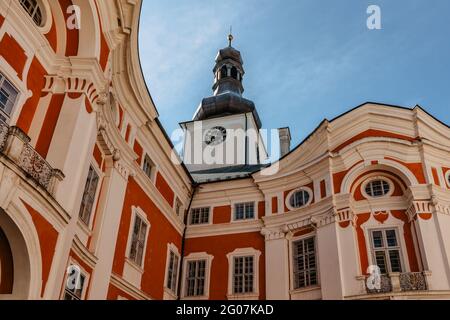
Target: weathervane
{"points": [[230, 36]]}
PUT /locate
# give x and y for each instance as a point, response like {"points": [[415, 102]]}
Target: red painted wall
{"points": [[160, 234], [48, 237], [49, 125], [372, 133], [13, 54], [222, 214], [35, 83], [219, 246], [164, 188]]}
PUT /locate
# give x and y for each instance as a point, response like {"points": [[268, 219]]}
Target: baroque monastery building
{"points": [[93, 205]]}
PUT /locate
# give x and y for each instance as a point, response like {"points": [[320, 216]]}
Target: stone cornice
{"points": [[223, 229], [128, 288]]}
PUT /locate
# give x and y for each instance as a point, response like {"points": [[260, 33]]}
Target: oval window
{"points": [[299, 198], [448, 177], [33, 8], [377, 188]]}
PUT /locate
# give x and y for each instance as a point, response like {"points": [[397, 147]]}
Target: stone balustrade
{"points": [[15, 145]]}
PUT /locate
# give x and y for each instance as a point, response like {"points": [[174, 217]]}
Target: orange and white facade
{"points": [[92, 205]]}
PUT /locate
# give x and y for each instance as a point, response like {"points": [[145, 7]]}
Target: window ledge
{"points": [[243, 296], [195, 298], [133, 264], [305, 289], [84, 227], [170, 293]]}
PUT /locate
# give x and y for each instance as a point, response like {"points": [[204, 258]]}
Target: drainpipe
{"points": [[183, 240]]}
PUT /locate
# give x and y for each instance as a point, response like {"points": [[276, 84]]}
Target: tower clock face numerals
{"points": [[215, 135]]}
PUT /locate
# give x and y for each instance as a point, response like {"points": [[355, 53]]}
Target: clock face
{"points": [[215, 136]]}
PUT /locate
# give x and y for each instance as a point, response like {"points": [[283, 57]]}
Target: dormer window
{"points": [[33, 8]]}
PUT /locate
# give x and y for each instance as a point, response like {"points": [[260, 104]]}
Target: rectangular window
{"points": [[138, 239], [304, 263], [74, 284], [195, 278], [172, 272], [148, 166], [243, 274], [386, 250], [8, 97], [243, 211], [200, 215], [90, 190]]}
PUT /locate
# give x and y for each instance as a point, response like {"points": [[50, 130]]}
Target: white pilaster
{"points": [[277, 265]]}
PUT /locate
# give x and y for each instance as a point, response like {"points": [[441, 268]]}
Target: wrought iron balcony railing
{"points": [[397, 282], [14, 144], [412, 281], [384, 285]]}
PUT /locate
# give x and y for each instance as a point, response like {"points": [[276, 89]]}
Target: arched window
{"points": [[223, 72], [377, 188], [299, 198], [234, 73], [34, 10]]}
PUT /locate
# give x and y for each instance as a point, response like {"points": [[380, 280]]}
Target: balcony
{"points": [[15, 145], [398, 282]]}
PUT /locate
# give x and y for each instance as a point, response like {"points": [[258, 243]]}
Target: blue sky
{"points": [[305, 60]]}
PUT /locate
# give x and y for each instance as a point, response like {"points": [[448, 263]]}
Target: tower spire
{"points": [[230, 36]]}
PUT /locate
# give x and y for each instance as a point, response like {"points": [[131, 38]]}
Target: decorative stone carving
{"points": [[273, 234], [421, 208], [35, 166], [3, 134], [411, 281], [345, 217]]}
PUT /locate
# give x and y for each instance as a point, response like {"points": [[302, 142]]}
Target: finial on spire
{"points": [[230, 36]]}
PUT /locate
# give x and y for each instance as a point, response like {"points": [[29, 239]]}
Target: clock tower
{"points": [[223, 139]]}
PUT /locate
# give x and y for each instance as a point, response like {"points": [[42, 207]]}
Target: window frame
{"points": [[239, 253], [3, 79], [137, 212], [372, 250], [171, 248], [203, 223], [374, 178], [291, 194], [39, 6], [255, 211], [177, 202], [196, 256], [85, 283], [447, 178], [88, 224], [292, 265], [47, 17], [151, 174]]}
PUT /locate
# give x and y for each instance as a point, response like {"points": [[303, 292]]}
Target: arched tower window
{"points": [[33, 8], [223, 72], [234, 73]]}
